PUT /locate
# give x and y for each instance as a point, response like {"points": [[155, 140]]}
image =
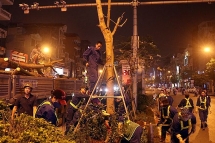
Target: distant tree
{"points": [[186, 74], [210, 69], [199, 79], [174, 79], [147, 51]]}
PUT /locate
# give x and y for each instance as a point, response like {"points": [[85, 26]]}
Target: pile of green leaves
{"points": [[92, 127]]}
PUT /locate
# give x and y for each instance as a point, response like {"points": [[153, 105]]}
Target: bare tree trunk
{"points": [[109, 56], [108, 36]]}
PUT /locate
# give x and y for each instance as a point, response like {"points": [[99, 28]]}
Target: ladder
{"points": [[133, 105], [122, 95]]}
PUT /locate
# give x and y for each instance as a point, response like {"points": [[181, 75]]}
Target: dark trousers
{"points": [[203, 115], [164, 129], [184, 134], [93, 76], [69, 116]]}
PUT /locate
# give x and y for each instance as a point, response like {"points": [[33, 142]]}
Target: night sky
{"points": [[170, 26]]}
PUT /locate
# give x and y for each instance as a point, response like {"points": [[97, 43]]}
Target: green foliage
{"points": [[147, 52], [186, 74], [26, 129], [92, 126], [174, 79], [144, 101], [199, 79], [210, 69], [145, 114]]}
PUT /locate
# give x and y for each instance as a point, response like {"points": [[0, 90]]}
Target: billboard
{"points": [[126, 73], [18, 57]]}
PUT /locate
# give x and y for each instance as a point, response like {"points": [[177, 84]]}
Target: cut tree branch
{"points": [[9, 63], [21, 70]]}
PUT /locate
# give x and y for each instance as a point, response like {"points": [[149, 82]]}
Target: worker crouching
{"points": [[46, 109]]}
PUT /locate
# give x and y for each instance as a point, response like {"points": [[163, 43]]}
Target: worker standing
{"points": [[183, 121], [27, 103]]}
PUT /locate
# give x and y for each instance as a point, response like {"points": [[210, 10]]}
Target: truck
{"points": [[11, 86]]}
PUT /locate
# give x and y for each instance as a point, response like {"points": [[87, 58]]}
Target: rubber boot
{"points": [[203, 125], [206, 125]]}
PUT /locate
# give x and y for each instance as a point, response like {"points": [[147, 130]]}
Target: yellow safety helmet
{"points": [[27, 84]]}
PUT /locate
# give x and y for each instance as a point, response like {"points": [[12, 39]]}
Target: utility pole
{"points": [[135, 46]]}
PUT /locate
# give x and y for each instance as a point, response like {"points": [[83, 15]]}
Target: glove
{"points": [[180, 138], [193, 128]]}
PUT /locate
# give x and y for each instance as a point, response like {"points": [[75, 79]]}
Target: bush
{"points": [[92, 127], [26, 129], [144, 101]]}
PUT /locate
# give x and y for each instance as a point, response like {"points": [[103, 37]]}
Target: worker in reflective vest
{"points": [[73, 105], [170, 98], [46, 109], [167, 113], [187, 102], [133, 131], [203, 105], [182, 123], [160, 97]]}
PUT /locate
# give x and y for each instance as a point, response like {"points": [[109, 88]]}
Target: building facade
{"points": [[4, 16], [75, 47]]}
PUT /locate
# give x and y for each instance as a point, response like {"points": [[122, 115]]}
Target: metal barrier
{"points": [[70, 86], [5, 86], [42, 86]]}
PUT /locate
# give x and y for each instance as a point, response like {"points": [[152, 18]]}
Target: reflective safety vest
{"points": [[76, 106], [167, 116], [204, 103], [188, 102], [47, 103], [130, 128], [182, 123]]}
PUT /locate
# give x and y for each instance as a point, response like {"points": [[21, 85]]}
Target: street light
{"points": [[207, 49], [46, 50]]}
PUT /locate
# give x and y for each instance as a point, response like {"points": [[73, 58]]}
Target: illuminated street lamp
{"points": [[46, 50], [207, 49], [100, 71]]}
